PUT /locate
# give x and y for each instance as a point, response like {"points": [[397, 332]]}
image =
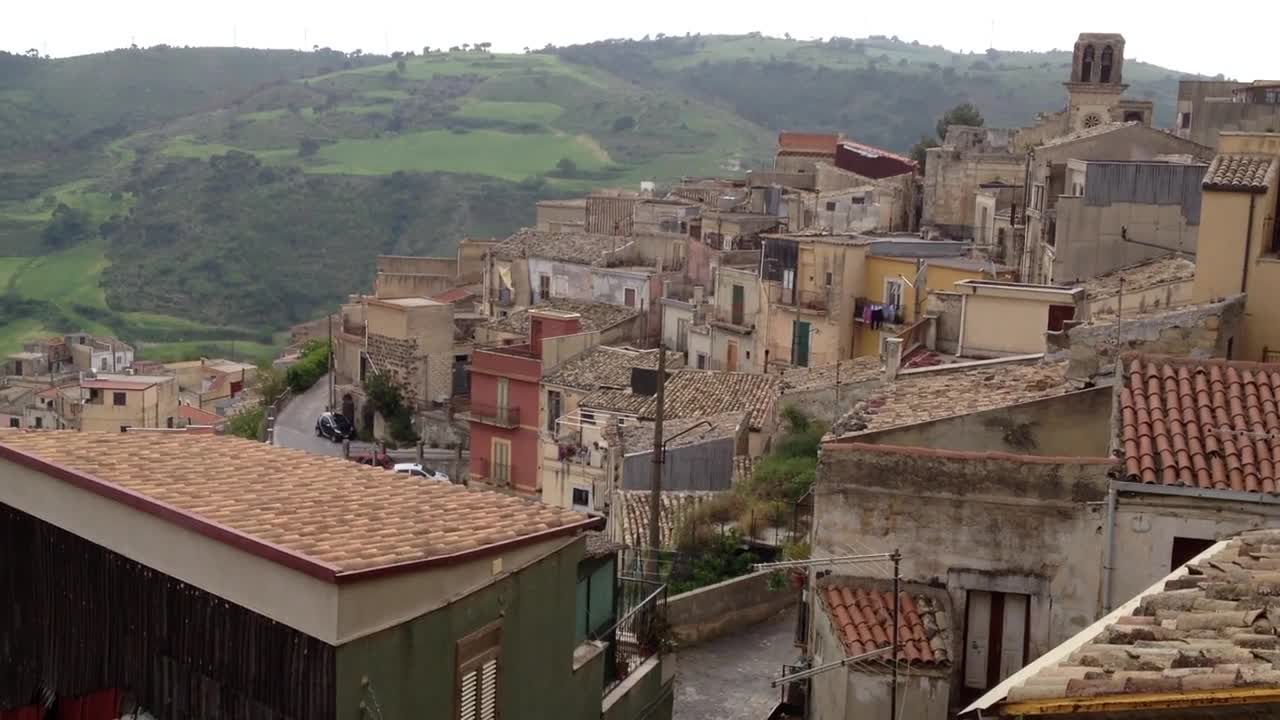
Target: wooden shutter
{"points": [[478, 672]]}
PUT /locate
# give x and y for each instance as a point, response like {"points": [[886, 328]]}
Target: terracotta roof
{"points": [[857, 370], [334, 519], [196, 416], [1241, 173], [595, 316], [604, 366], [862, 617], [808, 142], [1210, 424], [699, 393], [1205, 627], [1140, 276], [453, 295], [944, 392], [633, 518], [575, 247], [873, 151], [622, 401], [637, 437]]}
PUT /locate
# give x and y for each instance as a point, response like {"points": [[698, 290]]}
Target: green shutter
{"points": [[800, 343]]}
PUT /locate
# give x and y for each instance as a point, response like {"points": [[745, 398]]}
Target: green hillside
{"points": [[186, 199]]}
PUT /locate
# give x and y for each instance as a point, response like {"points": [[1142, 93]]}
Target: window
{"points": [[500, 461], [682, 334], [1086, 64], [1184, 549], [1037, 196], [102, 364], [581, 499], [477, 676], [629, 296], [736, 310], [831, 206], [39, 422], [788, 278], [553, 409], [119, 399], [828, 280], [702, 361], [893, 293], [13, 422], [544, 286], [800, 343], [1104, 72], [1185, 119], [588, 418]]}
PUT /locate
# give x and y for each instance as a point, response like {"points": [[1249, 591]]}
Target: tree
{"points": [[465, 46], [918, 150], [623, 123], [67, 227], [400, 65], [567, 167], [308, 147], [426, 49], [962, 114]]}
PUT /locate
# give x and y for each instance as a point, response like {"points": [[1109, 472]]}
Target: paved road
{"points": [[728, 678], [296, 426]]}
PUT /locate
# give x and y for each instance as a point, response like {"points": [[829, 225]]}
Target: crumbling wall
{"points": [[973, 521], [1198, 331], [945, 306], [398, 360]]}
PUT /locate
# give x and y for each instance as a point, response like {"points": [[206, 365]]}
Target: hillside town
{"points": [[995, 434]]}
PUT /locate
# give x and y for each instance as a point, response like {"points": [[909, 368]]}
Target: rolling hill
{"points": [[186, 199]]}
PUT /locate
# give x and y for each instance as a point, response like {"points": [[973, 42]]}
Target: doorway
{"points": [[996, 638]]}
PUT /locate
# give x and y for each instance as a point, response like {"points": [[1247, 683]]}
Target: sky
{"points": [[1173, 33]]}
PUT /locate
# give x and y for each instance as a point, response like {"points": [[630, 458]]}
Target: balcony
{"points": [[495, 415], [808, 300], [640, 633], [733, 319]]}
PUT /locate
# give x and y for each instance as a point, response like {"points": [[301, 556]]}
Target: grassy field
{"points": [[481, 152]]}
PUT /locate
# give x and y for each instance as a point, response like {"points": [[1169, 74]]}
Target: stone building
{"points": [[114, 402], [799, 152], [411, 341], [1048, 179], [568, 215], [969, 158], [1208, 107], [1240, 246]]}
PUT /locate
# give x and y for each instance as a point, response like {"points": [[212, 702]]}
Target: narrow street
{"points": [[728, 678], [296, 426]]}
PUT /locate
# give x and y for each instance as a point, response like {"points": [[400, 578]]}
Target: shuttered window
{"points": [[478, 666]]}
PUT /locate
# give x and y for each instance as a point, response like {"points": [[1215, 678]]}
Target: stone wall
{"points": [[951, 184], [398, 359], [1199, 331], [726, 607], [973, 521]]}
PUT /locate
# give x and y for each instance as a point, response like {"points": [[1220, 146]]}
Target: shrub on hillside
{"points": [[310, 367]]}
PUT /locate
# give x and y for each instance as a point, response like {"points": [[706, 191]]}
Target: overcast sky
{"points": [[1237, 41]]}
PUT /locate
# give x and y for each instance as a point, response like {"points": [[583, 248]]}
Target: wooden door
{"points": [[1013, 636], [731, 356], [977, 640]]}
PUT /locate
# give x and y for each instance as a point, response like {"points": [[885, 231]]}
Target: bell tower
{"points": [[1095, 86]]}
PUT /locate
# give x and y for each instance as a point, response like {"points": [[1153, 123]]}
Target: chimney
{"points": [[535, 334]]}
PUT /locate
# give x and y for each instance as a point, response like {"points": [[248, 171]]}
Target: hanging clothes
{"points": [[877, 317]]}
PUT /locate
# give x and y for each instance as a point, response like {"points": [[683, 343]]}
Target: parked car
{"points": [[421, 471], [335, 427]]}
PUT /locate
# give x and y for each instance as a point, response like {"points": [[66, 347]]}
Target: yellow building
{"points": [[1239, 246], [112, 403], [833, 297]]}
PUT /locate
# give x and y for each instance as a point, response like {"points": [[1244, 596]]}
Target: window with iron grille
{"points": [[478, 672]]}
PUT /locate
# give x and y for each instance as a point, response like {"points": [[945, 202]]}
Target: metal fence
{"points": [[640, 632]]}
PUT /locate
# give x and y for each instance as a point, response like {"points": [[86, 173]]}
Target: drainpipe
{"points": [[964, 306], [1248, 242], [1109, 549]]}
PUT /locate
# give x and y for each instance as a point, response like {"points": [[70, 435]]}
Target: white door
{"points": [[977, 640], [1014, 636]]}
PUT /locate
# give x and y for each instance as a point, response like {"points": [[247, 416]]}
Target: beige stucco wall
{"points": [[398, 285], [835, 332], [144, 408], [413, 265], [1088, 241], [995, 325]]}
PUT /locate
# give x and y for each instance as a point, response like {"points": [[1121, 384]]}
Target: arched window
{"points": [[1086, 64], [1104, 72]]}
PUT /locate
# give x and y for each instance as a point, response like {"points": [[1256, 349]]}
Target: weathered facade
{"points": [[110, 403], [1209, 107], [411, 342]]}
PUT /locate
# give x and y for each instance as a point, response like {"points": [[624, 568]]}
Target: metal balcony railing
{"points": [[498, 416], [640, 632]]}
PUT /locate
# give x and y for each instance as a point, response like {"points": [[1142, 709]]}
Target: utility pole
{"points": [[332, 400], [655, 473], [893, 655]]}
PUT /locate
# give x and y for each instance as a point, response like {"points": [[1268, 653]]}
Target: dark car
{"points": [[335, 427]]}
